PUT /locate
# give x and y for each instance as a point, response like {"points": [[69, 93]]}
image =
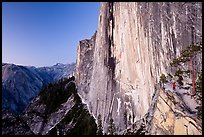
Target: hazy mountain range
{"points": [[21, 83]]}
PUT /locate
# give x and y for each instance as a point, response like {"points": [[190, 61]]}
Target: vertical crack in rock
{"points": [[111, 58], [134, 44]]}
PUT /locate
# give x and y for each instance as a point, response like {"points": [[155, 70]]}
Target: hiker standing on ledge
{"points": [[174, 86]]}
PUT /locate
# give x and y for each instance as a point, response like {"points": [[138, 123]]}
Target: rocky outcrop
{"points": [[167, 115], [85, 64], [171, 117], [134, 44], [57, 110]]}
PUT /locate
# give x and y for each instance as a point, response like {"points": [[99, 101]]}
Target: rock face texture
{"points": [[168, 115], [172, 117], [134, 44], [85, 64]]}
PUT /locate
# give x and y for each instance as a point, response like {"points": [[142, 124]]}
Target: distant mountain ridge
{"points": [[58, 70], [20, 84]]}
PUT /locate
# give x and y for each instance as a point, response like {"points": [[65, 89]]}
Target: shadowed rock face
{"points": [[19, 86], [14, 125], [85, 64], [57, 110], [134, 44]]}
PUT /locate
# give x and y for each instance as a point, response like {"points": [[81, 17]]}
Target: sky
{"points": [[45, 33]]}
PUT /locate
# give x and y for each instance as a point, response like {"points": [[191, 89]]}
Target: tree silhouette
{"points": [[99, 126], [163, 79], [111, 128], [187, 56]]}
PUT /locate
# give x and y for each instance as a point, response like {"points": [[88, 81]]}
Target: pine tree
{"points": [[187, 56], [163, 79], [99, 127], [111, 128]]}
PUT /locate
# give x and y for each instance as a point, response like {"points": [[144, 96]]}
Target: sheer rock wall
{"points": [[134, 44]]}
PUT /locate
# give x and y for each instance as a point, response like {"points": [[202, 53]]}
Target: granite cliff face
{"points": [[169, 114], [85, 64], [118, 69]]}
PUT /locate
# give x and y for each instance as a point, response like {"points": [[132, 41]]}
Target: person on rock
{"points": [[174, 86]]}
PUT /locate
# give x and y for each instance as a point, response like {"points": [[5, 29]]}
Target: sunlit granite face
{"points": [[134, 44]]}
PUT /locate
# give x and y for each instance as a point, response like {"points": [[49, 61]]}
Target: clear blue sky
{"points": [[46, 33]]}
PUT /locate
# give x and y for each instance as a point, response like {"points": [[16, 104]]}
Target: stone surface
{"points": [[167, 115], [170, 118], [85, 64], [134, 44]]}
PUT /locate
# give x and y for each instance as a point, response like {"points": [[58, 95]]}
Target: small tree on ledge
{"points": [[111, 128], [163, 79]]}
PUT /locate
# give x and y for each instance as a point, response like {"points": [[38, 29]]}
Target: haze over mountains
{"points": [[21, 83]]}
